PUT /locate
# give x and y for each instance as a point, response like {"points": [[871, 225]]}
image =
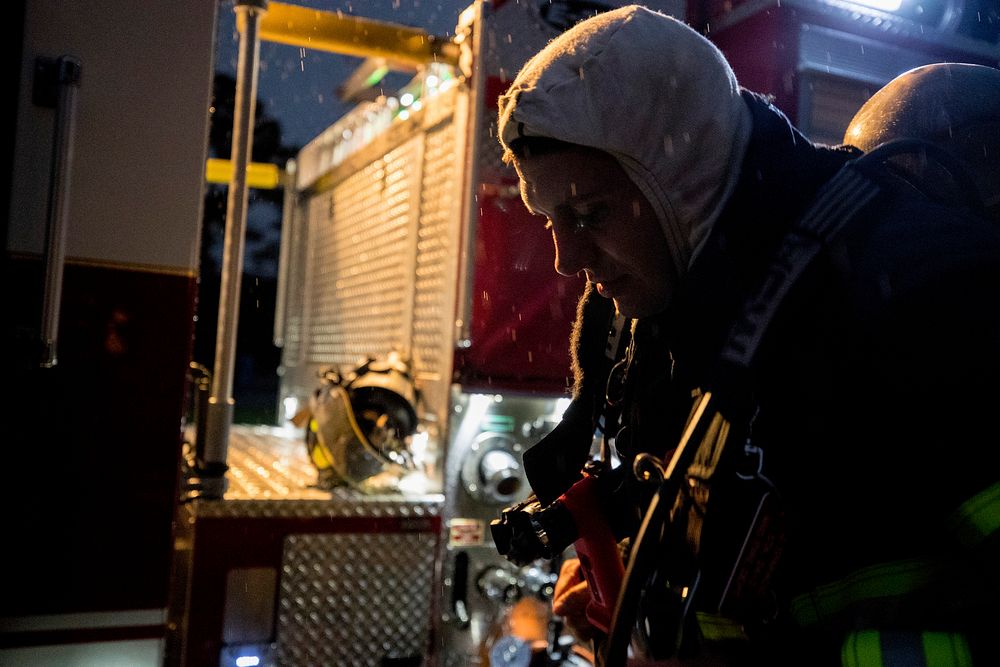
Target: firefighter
{"points": [[801, 397]]}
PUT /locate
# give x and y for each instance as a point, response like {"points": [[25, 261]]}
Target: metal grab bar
{"points": [[220, 403], [353, 36], [64, 75]]}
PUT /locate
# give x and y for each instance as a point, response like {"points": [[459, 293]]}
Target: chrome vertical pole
{"points": [[221, 403]]}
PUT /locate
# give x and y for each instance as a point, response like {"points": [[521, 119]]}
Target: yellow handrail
{"points": [[352, 35], [260, 175]]}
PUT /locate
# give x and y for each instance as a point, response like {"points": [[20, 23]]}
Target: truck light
{"points": [[881, 5]]}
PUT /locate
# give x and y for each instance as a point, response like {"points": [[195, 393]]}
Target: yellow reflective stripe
{"points": [[861, 649], [946, 649], [870, 648], [717, 628], [878, 581], [977, 518]]}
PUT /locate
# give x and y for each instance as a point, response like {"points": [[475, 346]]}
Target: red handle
{"points": [[597, 549]]}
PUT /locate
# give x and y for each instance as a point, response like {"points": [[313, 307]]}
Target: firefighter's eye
{"points": [[579, 217], [591, 216], [586, 216]]}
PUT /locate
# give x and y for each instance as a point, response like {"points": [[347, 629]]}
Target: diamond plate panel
{"points": [[268, 464], [353, 600]]}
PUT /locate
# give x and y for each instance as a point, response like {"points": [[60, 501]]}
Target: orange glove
{"points": [[570, 600]]}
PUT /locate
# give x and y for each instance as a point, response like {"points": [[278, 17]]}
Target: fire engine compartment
{"points": [[405, 232]]}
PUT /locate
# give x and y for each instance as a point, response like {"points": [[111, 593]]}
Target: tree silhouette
{"points": [[255, 381]]}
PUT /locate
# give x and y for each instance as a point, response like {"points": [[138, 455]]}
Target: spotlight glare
{"points": [[881, 5]]}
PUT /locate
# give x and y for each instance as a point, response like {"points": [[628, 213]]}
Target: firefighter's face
{"points": [[602, 226]]}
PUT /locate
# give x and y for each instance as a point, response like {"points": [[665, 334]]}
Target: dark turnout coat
{"points": [[873, 398]]}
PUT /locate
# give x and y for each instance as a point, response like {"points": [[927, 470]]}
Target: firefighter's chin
{"points": [[636, 303], [634, 308], [613, 290]]}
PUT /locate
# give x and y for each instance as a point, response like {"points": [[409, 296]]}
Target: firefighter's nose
{"points": [[574, 252]]}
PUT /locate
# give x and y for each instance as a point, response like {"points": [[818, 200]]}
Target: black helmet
{"points": [[955, 106]]}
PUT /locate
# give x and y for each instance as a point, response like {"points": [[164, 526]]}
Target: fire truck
{"points": [[147, 528]]}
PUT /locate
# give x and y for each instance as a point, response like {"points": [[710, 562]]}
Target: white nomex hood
{"points": [[653, 93]]}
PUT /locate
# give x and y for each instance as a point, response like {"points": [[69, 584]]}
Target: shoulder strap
{"points": [[837, 203]]}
